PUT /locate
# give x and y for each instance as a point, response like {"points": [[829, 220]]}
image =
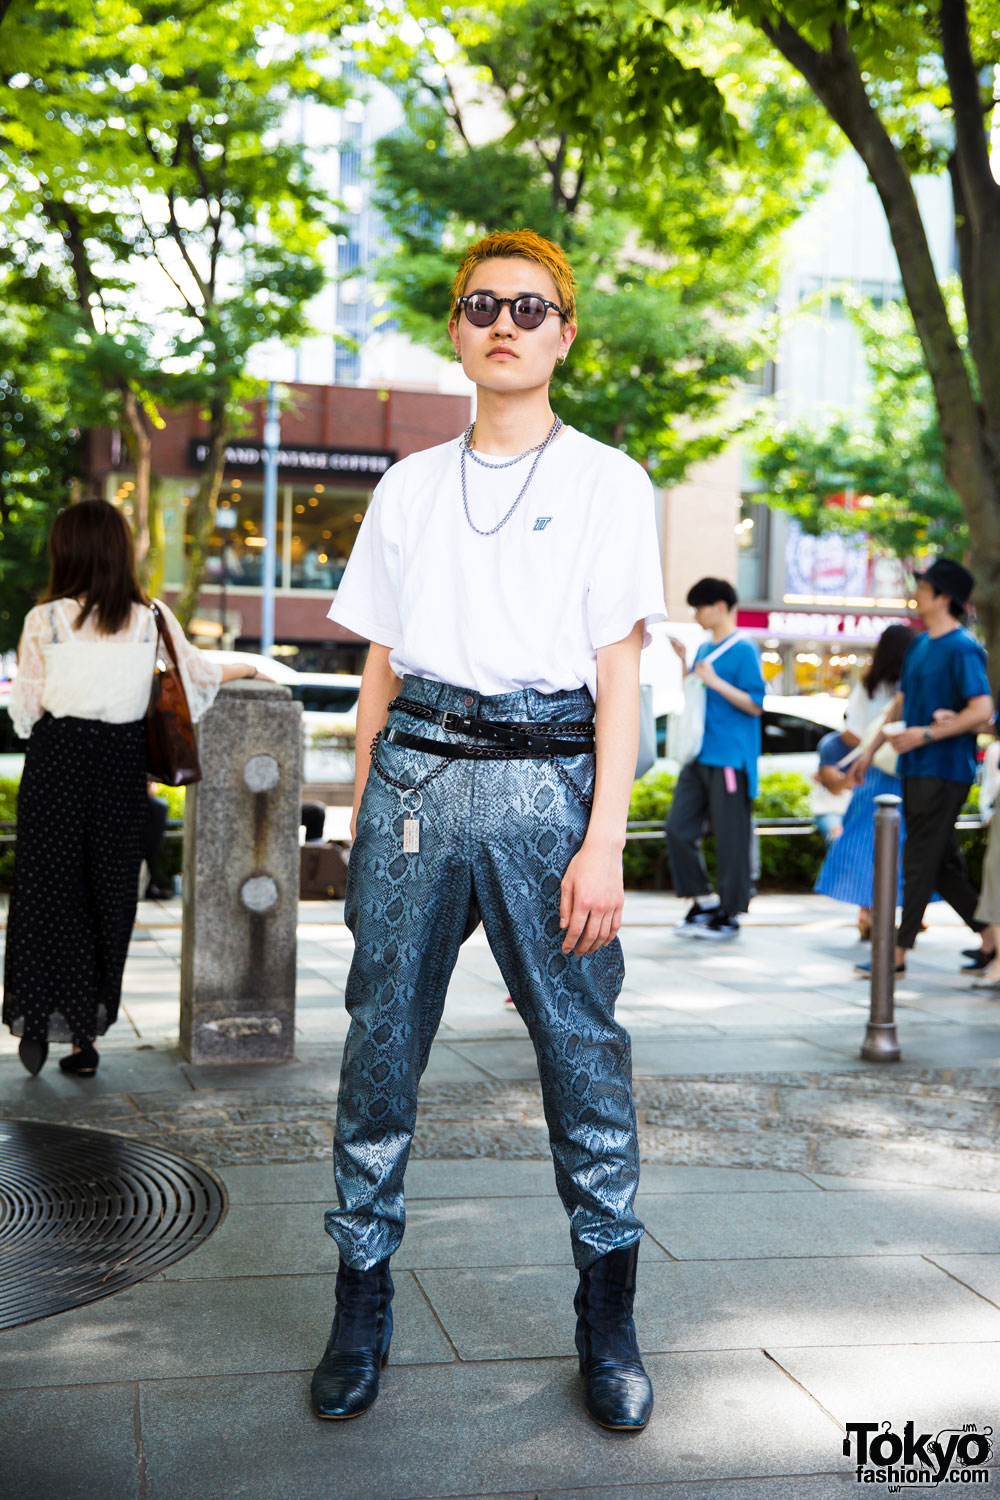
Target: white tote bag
{"points": [[690, 729]]}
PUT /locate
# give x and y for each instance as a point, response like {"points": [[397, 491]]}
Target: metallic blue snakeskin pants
{"points": [[498, 835]]}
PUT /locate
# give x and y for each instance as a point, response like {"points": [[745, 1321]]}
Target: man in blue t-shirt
{"points": [[943, 699], [716, 789]]}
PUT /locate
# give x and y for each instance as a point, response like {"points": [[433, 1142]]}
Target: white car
{"points": [[791, 729]]}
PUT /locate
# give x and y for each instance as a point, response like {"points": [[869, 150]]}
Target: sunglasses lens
{"points": [[529, 312], [481, 309]]}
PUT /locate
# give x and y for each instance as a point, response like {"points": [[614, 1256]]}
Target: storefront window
{"points": [[323, 527], [317, 526], [752, 542]]}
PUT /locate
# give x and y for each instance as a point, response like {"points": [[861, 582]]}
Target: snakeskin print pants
{"points": [[495, 839]]}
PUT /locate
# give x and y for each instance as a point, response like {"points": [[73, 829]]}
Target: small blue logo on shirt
{"points": [[541, 522]]}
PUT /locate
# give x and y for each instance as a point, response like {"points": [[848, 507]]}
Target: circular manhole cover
{"points": [[84, 1214]]}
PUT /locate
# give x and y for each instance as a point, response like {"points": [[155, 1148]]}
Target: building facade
{"points": [[336, 442]]}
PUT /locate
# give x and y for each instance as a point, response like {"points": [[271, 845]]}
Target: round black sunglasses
{"points": [[527, 310]]}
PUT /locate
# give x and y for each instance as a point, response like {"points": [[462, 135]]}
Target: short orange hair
{"points": [[521, 244]]}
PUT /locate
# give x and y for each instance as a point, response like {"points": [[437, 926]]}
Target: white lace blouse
{"points": [[82, 674]]}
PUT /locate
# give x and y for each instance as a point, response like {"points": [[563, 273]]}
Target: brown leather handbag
{"points": [[171, 746]]}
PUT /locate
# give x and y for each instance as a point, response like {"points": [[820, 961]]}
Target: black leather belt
{"points": [[537, 749], [535, 737]]}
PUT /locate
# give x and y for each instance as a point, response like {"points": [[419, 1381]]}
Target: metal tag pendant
{"points": [[411, 835]]}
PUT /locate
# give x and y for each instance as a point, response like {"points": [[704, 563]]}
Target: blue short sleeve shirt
{"points": [[732, 737], [942, 671]]}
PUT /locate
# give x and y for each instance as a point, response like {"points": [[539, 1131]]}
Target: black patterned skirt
{"points": [[81, 815]]}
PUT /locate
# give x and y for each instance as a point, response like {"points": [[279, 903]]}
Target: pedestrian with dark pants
{"points": [[84, 675], [157, 817], [944, 700], [715, 790], [506, 580]]}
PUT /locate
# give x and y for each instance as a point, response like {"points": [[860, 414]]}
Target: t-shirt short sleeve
{"points": [[857, 713], [971, 680], [747, 672], [626, 582], [368, 594]]}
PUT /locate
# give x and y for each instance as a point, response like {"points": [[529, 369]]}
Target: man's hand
{"points": [[593, 894], [858, 769], [707, 673], [907, 739], [679, 648]]}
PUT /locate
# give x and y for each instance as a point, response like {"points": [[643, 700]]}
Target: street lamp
{"points": [[272, 437]]}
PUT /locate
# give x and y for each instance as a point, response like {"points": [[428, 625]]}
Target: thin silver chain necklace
{"points": [[506, 464]]}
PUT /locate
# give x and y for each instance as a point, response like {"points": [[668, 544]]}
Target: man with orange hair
{"points": [[506, 580]]}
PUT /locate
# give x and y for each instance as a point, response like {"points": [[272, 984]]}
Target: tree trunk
{"points": [[156, 557], [140, 444], [201, 513], [971, 450]]}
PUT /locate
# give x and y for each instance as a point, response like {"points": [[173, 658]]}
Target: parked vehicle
{"points": [[791, 729]]}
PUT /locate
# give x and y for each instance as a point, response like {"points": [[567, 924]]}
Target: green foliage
{"points": [[787, 861], [890, 455], [672, 233], [8, 814], [146, 166]]}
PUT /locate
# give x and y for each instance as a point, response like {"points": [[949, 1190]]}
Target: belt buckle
{"points": [[452, 722]]}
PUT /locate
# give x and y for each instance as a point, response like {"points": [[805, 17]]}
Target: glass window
{"points": [[752, 540], [244, 540], [324, 528]]}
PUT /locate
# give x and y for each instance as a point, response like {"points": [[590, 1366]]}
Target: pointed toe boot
{"points": [[617, 1390], [32, 1055], [346, 1380]]}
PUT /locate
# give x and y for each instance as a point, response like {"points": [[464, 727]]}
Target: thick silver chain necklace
{"points": [[464, 449]]}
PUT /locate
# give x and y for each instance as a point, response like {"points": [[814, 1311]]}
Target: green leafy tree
{"points": [[156, 163], [889, 457], [675, 256], [910, 87]]}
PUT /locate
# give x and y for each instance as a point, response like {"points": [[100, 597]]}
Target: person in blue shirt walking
{"points": [[944, 699], [718, 786]]}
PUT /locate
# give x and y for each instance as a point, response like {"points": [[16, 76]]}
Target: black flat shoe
{"points": [[977, 960], [82, 1063], [158, 893], [33, 1055], [616, 1389], [345, 1382]]}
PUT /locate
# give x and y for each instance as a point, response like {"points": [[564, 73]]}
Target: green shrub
{"points": [[8, 814], [172, 849], [788, 861]]}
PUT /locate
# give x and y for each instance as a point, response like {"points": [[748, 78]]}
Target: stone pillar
{"points": [[241, 879]]}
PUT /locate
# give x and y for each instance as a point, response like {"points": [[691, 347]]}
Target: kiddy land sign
{"points": [[299, 460], [799, 625]]}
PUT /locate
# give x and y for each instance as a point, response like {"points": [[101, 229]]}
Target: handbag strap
{"points": [[162, 632], [730, 640]]}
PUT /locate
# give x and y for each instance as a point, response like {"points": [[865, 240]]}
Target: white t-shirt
{"points": [[573, 569], [862, 710]]}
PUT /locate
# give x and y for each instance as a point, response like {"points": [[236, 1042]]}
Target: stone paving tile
{"points": [[505, 1427], [801, 1487], [278, 1239], [980, 1272], [170, 1329], [526, 1312], [910, 1222], [77, 1443], [936, 1386]]}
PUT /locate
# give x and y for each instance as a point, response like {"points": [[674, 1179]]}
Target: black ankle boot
{"points": [[32, 1055], [345, 1382], [616, 1387]]}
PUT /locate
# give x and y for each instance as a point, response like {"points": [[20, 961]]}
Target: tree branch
{"points": [[835, 78], [154, 240], [979, 196], [177, 235]]}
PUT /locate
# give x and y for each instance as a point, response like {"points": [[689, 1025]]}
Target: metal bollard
{"points": [[880, 1043]]}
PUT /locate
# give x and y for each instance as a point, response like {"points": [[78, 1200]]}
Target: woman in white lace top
{"points": [[85, 666]]}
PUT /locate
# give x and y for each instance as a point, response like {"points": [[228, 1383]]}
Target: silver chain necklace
{"points": [[506, 464]]}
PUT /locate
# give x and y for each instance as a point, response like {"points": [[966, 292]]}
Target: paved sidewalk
{"points": [[823, 1240]]}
